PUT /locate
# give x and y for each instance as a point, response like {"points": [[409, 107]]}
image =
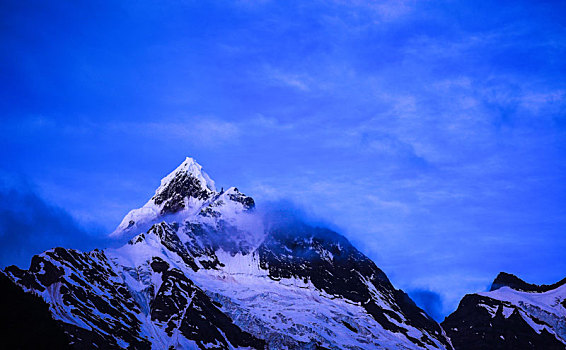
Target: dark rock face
{"points": [[514, 282], [212, 209], [473, 327], [89, 285], [179, 304], [171, 241], [182, 186], [205, 239], [512, 318], [247, 202], [42, 273], [334, 266], [204, 252], [159, 265], [26, 321]]}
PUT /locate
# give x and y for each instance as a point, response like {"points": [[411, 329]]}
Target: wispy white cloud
{"points": [[537, 101], [267, 124], [201, 131], [281, 77], [383, 10]]}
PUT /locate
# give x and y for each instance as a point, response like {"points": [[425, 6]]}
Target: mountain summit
{"points": [[208, 273], [504, 279], [187, 192]]}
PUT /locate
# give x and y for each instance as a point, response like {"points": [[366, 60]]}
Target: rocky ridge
{"points": [[512, 315]]}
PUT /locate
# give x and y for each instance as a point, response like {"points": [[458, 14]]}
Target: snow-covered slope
{"points": [[512, 315], [209, 273]]}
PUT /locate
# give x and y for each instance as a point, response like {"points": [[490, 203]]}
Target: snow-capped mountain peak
{"points": [[187, 193], [190, 167]]}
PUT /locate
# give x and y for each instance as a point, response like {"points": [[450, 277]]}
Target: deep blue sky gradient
{"points": [[432, 133]]}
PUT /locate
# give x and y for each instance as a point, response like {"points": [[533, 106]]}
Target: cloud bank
{"points": [[30, 225]]}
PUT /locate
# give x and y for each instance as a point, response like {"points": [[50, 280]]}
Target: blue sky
{"points": [[431, 134]]}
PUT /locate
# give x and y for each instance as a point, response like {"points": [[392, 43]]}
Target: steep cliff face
{"points": [[210, 274], [512, 315]]}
